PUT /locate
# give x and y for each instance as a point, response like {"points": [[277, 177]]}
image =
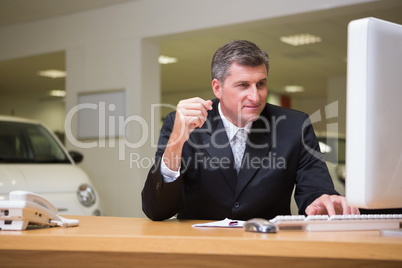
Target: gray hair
{"points": [[242, 52]]}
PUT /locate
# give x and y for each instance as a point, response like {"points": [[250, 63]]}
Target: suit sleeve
{"points": [[313, 178], [161, 200]]}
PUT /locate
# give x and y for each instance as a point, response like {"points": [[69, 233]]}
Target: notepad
{"points": [[226, 223]]}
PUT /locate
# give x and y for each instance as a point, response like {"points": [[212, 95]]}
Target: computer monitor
{"points": [[374, 114]]}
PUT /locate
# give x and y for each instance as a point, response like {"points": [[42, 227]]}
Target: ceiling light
{"points": [[52, 73], [166, 59], [294, 88], [57, 93], [301, 39]]}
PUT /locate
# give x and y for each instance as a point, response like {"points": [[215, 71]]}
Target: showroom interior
{"points": [[147, 55]]}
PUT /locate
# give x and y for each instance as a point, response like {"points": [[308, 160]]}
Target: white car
{"points": [[33, 159]]}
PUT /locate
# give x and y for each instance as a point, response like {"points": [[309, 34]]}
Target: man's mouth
{"points": [[251, 106]]}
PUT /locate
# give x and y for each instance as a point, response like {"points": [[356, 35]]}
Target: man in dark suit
{"points": [[238, 157]]}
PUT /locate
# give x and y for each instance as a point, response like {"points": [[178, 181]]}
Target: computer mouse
{"points": [[260, 226]]}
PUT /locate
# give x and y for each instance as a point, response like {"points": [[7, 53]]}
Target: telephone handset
{"points": [[26, 208], [32, 197]]}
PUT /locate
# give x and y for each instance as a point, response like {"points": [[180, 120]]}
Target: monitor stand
{"points": [[391, 232]]}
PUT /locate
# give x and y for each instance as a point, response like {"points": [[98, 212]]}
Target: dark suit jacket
{"points": [[282, 151]]}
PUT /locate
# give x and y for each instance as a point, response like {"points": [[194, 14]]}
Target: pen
{"points": [[233, 223]]}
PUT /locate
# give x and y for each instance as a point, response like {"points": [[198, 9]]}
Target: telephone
{"points": [[26, 208]]}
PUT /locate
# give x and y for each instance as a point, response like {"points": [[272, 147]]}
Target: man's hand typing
{"points": [[330, 205]]}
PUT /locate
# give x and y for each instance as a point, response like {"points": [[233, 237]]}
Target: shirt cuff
{"points": [[168, 174]]}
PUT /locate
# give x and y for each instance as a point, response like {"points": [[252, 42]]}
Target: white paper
{"points": [[227, 223]]}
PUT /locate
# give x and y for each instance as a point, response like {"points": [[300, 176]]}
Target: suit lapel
{"points": [[217, 145]]}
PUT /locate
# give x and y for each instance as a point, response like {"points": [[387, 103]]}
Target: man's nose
{"points": [[253, 94]]}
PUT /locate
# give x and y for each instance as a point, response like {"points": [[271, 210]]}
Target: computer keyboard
{"points": [[338, 222]]}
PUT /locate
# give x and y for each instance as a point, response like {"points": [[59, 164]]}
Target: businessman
{"points": [[237, 156]]}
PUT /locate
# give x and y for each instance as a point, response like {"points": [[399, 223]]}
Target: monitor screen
{"points": [[374, 114]]}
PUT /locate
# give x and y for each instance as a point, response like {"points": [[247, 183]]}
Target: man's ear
{"points": [[217, 88]]}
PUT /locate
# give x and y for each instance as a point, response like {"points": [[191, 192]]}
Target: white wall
{"points": [[50, 111], [329, 112], [337, 92], [314, 106], [107, 49]]}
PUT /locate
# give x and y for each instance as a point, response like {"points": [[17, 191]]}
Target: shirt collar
{"points": [[230, 128]]}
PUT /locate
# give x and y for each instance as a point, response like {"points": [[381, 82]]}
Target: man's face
{"points": [[243, 95]]}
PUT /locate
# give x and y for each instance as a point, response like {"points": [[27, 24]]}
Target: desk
{"points": [[125, 242]]}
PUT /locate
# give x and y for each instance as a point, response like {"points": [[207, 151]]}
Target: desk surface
{"points": [[104, 241]]}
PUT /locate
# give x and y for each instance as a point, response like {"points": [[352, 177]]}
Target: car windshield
{"points": [[28, 143]]}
